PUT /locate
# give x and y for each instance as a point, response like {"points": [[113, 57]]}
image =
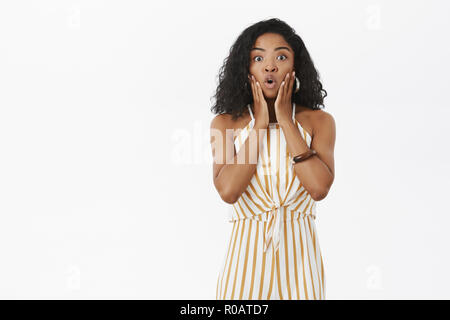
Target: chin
{"points": [[270, 95]]}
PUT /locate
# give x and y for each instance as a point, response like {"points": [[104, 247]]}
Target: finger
{"points": [[259, 90], [280, 93], [287, 83], [261, 94], [256, 90], [253, 88], [291, 83], [283, 90]]}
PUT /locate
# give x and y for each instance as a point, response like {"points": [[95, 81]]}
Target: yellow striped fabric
{"points": [[276, 212]]}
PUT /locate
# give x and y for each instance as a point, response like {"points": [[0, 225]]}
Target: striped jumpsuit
{"points": [[273, 251]]}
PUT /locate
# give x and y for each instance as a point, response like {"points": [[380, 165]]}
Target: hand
{"points": [[260, 104], [283, 104]]}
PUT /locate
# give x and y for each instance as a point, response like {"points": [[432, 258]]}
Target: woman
{"points": [[268, 110]]}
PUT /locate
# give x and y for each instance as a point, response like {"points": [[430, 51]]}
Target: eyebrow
{"points": [[278, 48]]}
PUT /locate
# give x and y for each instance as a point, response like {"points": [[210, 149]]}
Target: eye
{"points": [[277, 57]]}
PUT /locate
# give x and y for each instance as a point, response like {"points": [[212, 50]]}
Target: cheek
{"points": [[251, 71]]}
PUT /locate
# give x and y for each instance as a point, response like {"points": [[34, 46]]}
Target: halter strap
{"points": [[250, 110]]}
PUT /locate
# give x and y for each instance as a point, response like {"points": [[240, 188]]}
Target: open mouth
{"points": [[270, 84]]}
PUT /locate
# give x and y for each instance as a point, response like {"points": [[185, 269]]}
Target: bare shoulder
{"points": [[225, 121], [313, 120], [220, 121], [221, 125], [322, 120]]}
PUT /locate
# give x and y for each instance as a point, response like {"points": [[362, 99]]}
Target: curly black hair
{"points": [[232, 94]]}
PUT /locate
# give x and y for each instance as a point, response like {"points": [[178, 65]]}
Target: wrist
{"points": [[261, 124], [285, 123]]}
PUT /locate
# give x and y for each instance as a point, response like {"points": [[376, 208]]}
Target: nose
{"points": [[270, 69]]}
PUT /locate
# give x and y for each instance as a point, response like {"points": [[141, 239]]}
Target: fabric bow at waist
{"points": [[275, 217], [273, 229]]}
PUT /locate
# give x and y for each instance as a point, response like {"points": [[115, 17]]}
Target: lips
{"points": [[270, 85], [270, 82]]}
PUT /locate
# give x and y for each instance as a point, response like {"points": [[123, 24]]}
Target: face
{"points": [[271, 55]]}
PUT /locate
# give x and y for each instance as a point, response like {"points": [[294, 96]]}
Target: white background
{"points": [[106, 184]]}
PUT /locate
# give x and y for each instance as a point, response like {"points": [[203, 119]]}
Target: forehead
{"points": [[270, 40]]}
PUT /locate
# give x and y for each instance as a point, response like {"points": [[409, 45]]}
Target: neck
{"points": [[271, 107]]}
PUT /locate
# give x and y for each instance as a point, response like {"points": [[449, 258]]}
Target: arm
{"points": [[231, 178], [317, 172]]}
